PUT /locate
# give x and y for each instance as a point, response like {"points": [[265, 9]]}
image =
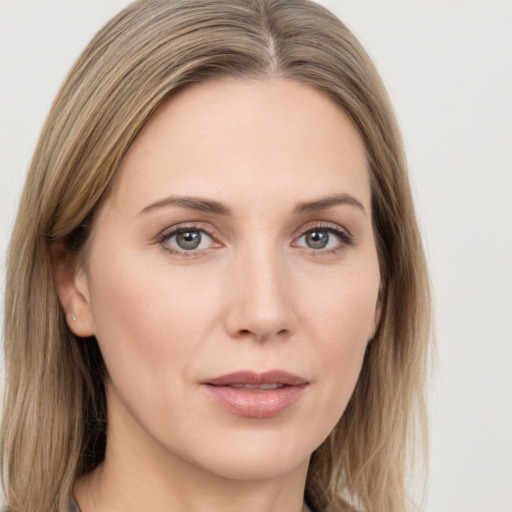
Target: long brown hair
{"points": [[55, 413]]}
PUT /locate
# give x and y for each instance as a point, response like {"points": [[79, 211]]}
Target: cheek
{"points": [[146, 314], [343, 305], [342, 316], [150, 333], [344, 343]]}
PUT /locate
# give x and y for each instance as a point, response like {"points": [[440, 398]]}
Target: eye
{"points": [[187, 239], [324, 238], [317, 238]]}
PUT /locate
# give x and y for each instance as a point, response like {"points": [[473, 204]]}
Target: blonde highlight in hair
{"points": [[54, 423]]}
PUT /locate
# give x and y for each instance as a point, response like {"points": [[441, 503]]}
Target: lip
{"points": [[253, 395]]}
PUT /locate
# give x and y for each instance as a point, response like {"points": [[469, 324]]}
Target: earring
{"points": [[73, 317]]}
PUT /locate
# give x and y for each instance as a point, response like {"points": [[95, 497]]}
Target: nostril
{"points": [[243, 333]]}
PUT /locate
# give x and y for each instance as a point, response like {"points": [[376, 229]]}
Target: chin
{"points": [[262, 466], [254, 455]]}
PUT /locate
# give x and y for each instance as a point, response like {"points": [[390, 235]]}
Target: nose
{"points": [[260, 297]]}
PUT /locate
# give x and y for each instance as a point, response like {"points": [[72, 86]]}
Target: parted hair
{"points": [[55, 419]]}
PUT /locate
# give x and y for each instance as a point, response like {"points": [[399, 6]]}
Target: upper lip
{"points": [[257, 378]]}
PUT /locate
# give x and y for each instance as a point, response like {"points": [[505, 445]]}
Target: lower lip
{"points": [[255, 404]]}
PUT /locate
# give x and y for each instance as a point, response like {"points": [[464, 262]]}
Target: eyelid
{"points": [[171, 231], [343, 234]]}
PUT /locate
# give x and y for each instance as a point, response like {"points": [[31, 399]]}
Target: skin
{"points": [[253, 296]]}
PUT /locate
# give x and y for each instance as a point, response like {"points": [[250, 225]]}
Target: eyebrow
{"points": [[216, 208], [190, 203], [328, 202]]}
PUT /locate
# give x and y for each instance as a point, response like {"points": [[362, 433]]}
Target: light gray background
{"points": [[448, 68]]}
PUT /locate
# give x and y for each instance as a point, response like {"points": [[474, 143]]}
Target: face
{"points": [[232, 278]]}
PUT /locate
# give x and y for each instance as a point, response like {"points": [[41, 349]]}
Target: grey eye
{"points": [[188, 239], [317, 238]]}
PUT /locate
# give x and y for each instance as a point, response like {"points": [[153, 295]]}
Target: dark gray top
{"points": [[73, 505]]}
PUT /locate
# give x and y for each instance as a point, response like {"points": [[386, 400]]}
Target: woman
{"points": [[216, 297]]}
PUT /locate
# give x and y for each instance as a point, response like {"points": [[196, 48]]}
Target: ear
{"points": [[73, 289]]}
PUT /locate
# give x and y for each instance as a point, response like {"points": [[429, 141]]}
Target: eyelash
{"points": [[163, 238], [345, 239]]}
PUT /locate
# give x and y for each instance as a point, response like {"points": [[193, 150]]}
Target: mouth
{"points": [[256, 387], [256, 395]]}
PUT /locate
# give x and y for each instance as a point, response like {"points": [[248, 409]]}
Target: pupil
{"points": [[188, 240], [317, 239]]}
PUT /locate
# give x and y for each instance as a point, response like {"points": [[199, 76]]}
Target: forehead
{"points": [[235, 138]]}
